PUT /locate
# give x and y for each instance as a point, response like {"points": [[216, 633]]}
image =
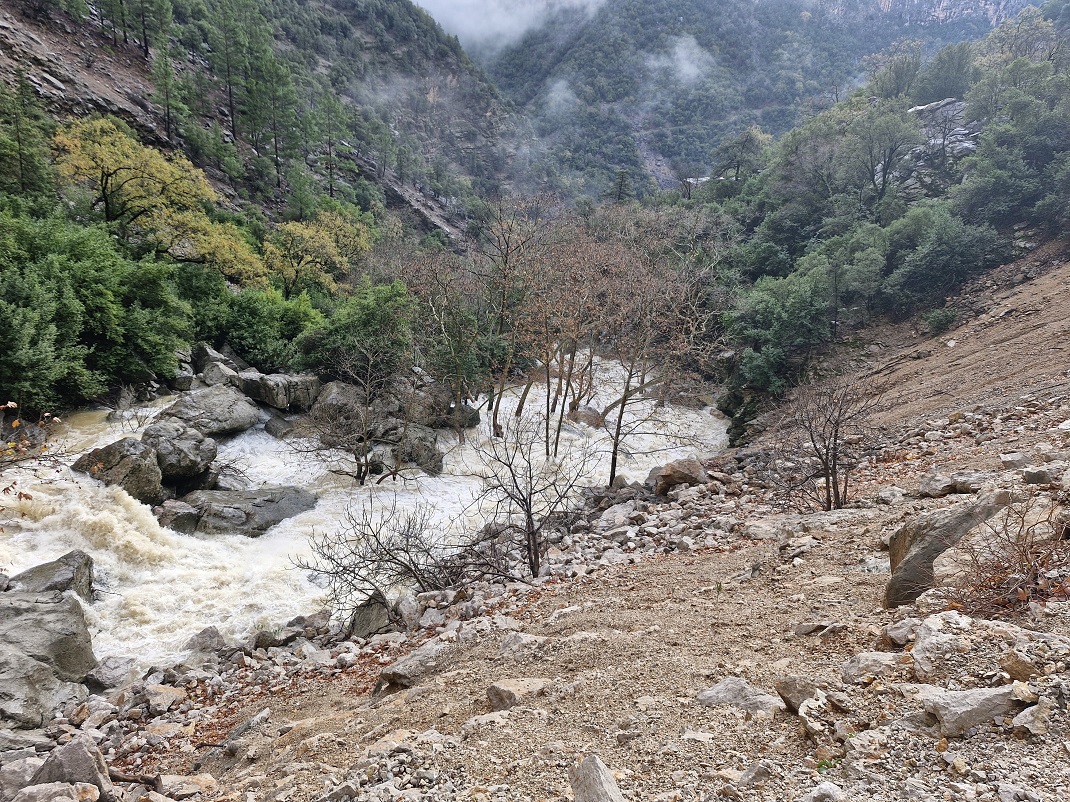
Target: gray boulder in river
{"points": [[130, 464], [239, 512], [213, 411], [73, 571], [181, 451]]}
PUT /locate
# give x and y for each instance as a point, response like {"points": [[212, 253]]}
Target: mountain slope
{"points": [[655, 87], [262, 91]]}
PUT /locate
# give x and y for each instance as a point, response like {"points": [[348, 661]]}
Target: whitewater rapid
{"points": [[159, 587]]}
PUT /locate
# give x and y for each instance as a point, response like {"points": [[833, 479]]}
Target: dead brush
{"points": [[1020, 557]]}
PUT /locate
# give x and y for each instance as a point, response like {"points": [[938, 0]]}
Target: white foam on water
{"points": [[161, 587]]}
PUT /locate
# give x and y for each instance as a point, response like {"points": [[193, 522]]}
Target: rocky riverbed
{"points": [[701, 643]]}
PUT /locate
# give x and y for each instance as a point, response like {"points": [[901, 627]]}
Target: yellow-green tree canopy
{"points": [[155, 200], [128, 180], [316, 254]]}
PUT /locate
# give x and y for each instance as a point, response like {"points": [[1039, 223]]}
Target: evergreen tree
{"points": [[24, 166]]}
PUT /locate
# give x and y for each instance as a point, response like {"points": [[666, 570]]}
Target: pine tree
{"points": [[24, 163]]}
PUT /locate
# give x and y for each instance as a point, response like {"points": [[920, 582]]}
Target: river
{"points": [[158, 587]]}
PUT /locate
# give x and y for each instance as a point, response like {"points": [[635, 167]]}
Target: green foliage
{"points": [[940, 320], [83, 316], [778, 321], [366, 338], [263, 328], [24, 133], [948, 251]]}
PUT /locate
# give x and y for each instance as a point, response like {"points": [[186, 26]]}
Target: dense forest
{"points": [[872, 208], [652, 87]]}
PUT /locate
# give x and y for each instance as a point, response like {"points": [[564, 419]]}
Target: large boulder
{"points": [[419, 446], [681, 472], [247, 512], [45, 653], [77, 761], [73, 571], [181, 451], [128, 463], [215, 411], [280, 390], [915, 545], [30, 691]]}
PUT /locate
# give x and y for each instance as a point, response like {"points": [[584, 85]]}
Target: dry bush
{"points": [[1020, 557], [822, 437], [382, 549]]}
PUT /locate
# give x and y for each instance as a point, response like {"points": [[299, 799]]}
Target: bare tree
{"points": [[511, 251], [655, 321], [525, 493], [822, 438], [380, 550]]}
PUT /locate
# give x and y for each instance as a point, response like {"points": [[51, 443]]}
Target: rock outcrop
{"points": [[215, 411], [130, 464]]}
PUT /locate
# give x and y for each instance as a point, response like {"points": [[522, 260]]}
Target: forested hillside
{"points": [[272, 234], [275, 96], [878, 208], [653, 88]]}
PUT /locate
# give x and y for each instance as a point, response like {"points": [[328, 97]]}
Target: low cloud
{"points": [[686, 60], [560, 98], [490, 25]]}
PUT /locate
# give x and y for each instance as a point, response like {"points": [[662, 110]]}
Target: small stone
{"points": [[737, 692], [900, 633], [891, 495], [864, 668], [162, 698], [1018, 666], [935, 485], [1034, 719], [1036, 476], [826, 792], [756, 775], [1013, 459], [183, 787]]}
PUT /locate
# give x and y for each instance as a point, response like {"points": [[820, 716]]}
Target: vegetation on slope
{"points": [[654, 87]]}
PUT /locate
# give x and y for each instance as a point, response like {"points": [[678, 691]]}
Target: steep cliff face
{"points": [[922, 12]]}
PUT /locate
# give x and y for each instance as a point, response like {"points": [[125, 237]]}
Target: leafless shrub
{"points": [[526, 491], [822, 437], [383, 548], [1022, 556]]}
